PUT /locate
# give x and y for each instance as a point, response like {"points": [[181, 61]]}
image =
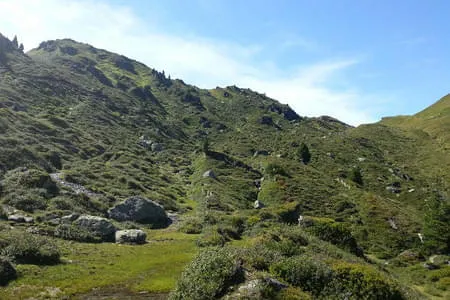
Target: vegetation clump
{"points": [[26, 248], [208, 275]]}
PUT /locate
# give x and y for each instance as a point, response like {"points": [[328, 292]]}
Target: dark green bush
{"points": [[305, 272], [304, 154], [74, 233], [27, 248], [355, 281], [208, 276], [7, 272], [212, 236], [273, 169], [336, 233], [191, 225], [260, 257], [356, 176], [28, 200]]}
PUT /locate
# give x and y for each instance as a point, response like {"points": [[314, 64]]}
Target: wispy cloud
{"points": [[309, 89]]}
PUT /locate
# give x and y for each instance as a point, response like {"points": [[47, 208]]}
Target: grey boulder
{"points": [[130, 236], [98, 226], [141, 210]]}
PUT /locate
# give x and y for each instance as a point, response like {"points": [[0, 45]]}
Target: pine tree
{"points": [[304, 154], [14, 41], [356, 176]]}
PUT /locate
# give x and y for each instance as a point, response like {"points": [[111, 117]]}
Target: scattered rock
{"points": [[254, 288], [69, 218], [430, 266], [361, 159], [261, 152], [18, 218], [130, 236], [141, 210], [392, 223], [439, 260], [258, 204], [210, 174], [409, 256], [393, 189], [420, 237], [257, 183], [98, 226]]}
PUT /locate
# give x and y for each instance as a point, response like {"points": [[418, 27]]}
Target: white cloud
{"points": [[203, 62]]}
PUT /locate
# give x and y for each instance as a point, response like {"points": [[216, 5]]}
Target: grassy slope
{"points": [[91, 106]]}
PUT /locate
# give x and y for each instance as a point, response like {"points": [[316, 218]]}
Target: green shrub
{"points": [[260, 257], [74, 233], [208, 276], [24, 178], [212, 236], [191, 225], [356, 176], [27, 248], [273, 169], [305, 272], [7, 272], [28, 200], [355, 281], [336, 233]]}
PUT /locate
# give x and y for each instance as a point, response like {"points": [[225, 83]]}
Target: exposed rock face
{"points": [[130, 236], [141, 210], [98, 226], [7, 272]]}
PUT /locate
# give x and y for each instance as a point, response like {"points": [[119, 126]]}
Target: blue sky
{"points": [[355, 60]]}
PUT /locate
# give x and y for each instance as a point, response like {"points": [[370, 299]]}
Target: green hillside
{"points": [[264, 203]]}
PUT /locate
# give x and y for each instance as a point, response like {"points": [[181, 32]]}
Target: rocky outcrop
{"points": [[130, 236], [97, 226], [141, 210]]}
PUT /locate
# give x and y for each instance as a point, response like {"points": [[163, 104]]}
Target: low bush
{"points": [[305, 272], [336, 233], [7, 272], [211, 236], [209, 275], [356, 281], [191, 225], [27, 248], [260, 257], [74, 233]]}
